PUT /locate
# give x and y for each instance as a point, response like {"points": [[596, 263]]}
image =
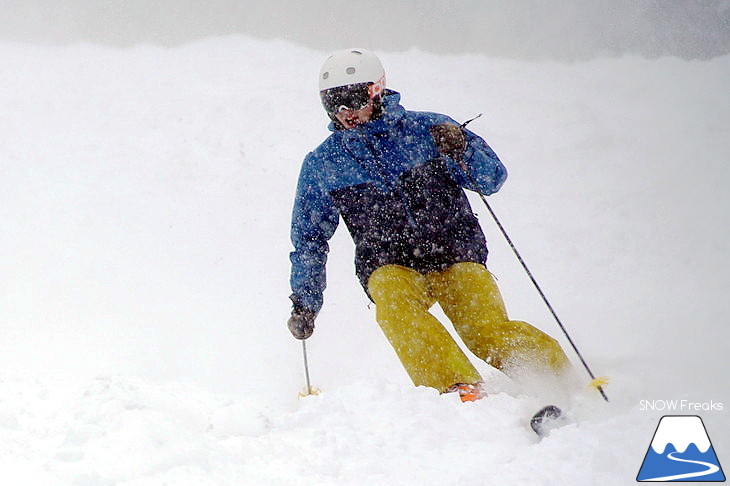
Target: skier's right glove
{"points": [[301, 322], [449, 139]]}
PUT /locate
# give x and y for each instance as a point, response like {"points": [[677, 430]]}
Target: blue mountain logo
{"points": [[681, 451]]}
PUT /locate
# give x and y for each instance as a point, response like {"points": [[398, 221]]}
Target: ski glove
{"points": [[301, 322], [449, 139]]}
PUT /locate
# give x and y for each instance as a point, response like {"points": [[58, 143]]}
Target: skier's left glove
{"points": [[449, 139], [301, 322]]}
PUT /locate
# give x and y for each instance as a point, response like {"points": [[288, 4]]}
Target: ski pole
{"points": [[472, 181], [306, 366]]}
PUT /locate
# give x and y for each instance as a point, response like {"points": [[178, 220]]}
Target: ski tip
{"points": [[546, 419]]}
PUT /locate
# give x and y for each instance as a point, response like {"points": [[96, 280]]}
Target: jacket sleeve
{"points": [[314, 221], [484, 166]]}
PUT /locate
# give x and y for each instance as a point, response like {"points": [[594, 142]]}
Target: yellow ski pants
{"points": [[470, 298]]}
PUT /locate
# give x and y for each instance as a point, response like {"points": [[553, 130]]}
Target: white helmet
{"points": [[352, 66]]}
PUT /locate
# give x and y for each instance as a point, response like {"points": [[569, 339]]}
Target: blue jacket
{"points": [[401, 200]]}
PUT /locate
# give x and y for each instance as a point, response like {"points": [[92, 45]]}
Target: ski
{"points": [[547, 419]]}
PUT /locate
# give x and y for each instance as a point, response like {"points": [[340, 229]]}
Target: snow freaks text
{"points": [[680, 406]]}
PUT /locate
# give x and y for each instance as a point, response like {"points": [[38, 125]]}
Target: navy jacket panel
{"points": [[425, 223]]}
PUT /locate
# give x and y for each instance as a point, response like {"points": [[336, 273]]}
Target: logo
{"points": [[681, 451]]}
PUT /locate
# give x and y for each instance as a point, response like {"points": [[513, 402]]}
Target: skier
{"points": [[397, 179]]}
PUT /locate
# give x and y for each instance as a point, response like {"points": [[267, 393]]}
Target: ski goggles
{"points": [[351, 97]]}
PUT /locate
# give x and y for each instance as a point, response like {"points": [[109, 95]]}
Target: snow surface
{"points": [[145, 196]]}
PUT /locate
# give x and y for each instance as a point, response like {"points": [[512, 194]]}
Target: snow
{"points": [[145, 196]]}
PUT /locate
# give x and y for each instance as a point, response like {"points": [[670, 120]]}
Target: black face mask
{"points": [[350, 97]]}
